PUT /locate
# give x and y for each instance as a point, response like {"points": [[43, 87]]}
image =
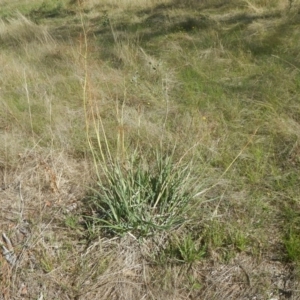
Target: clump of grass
{"points": [[292, 245], [142, 199], [132, 194], [20, 30], [291, 240], [184, 249]]}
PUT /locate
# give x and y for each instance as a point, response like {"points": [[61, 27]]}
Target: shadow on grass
{"points": [[161, 21], [192, 17]]}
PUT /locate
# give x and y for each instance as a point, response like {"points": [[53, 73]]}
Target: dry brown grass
{"points": [[35, 196], [20, 31]]}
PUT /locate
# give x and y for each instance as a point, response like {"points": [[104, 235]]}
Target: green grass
{"points": [[213, 86], [184, 249], [142, 198]]}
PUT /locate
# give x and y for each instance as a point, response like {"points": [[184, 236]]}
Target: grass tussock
{"points": [[19, 31], [142, 199], [149, 149]]}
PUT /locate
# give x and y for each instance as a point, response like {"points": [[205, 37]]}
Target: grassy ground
{"points": [[102, 97]]}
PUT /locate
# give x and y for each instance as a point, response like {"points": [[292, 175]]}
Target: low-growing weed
{"points": [[188, 249]]}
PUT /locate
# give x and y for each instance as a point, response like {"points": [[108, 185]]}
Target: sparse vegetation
{"points": [[150, 149]]}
